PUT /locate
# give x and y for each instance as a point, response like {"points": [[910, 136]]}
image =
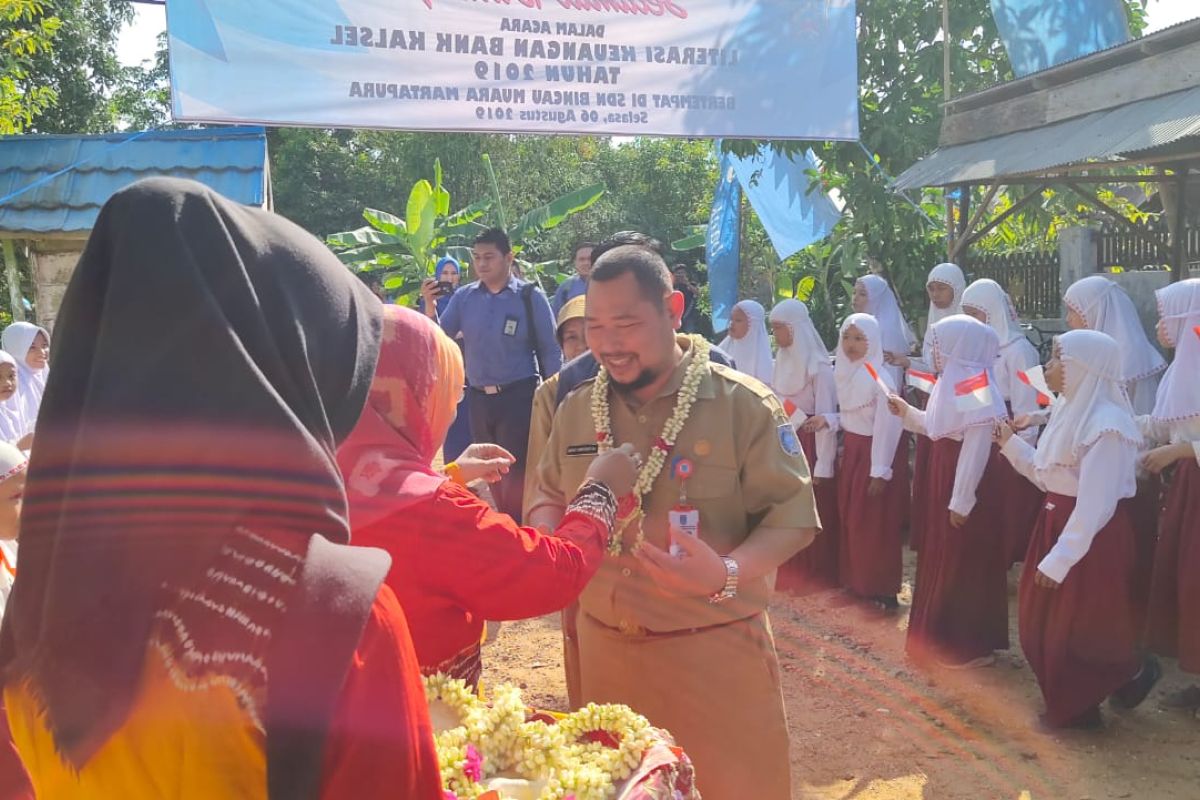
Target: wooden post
{"points": [[13, 275], [946, 94], [1179, 235]]}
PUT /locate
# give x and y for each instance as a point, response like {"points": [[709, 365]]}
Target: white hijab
{"points": [[752, 353], [897, 335], [797, 364], [12, 462], [855, 387], [1179, 392], [1093, 401], [987, 297], [31, 384], [962, 348], [1106, 308], [13, 425], [952, 276]]}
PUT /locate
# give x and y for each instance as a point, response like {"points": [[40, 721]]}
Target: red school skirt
{"points": [[1080, 639], [920, 494], [960, 602], [816, 566], [870, 559], [1174, 619]]}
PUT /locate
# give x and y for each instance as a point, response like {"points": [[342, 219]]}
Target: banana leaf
{"points": [[555, 212], [385, 222]]}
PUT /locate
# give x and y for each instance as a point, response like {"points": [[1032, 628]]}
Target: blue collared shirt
{"points": [[496, 335], [568, 290]]}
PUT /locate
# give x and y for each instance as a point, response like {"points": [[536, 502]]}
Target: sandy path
{"points": [[866, 725]]}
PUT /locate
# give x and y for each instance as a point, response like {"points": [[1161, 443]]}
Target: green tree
{"points": [[26, 34], [142, 98], [83, 69]]}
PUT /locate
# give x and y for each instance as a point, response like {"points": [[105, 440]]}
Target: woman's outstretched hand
{"points": [[617, 469], [488, 462]]}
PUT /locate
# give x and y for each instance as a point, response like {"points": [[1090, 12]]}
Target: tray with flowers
{"points": [[496, 748]]}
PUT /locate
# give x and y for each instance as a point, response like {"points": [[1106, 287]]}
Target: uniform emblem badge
{"points": [[788, 440]]}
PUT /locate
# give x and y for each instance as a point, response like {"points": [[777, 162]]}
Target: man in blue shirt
{"points": [[575, 285], [509, 344]]}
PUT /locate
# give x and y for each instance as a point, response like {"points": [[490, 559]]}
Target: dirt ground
{"points": [[866, 725]]}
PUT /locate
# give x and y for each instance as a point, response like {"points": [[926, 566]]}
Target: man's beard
{"points": [[644, 379]]}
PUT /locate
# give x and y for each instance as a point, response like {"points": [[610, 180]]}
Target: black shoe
{"points": [[1132, 694], [885, 602], [1089, 720]]}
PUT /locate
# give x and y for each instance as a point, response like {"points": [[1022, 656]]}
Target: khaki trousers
{"points": [[716, 690]]}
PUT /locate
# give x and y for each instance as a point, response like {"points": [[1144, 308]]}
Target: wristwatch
{"points": [[729, 590]]}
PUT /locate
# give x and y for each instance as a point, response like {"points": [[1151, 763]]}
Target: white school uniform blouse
{"points": [[8, 572], [882, 426], [972, 459], [819, 398], [1018, 356], [1158, 433], [1103, 477]]}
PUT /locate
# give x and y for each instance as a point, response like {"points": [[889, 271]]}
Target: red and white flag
{"points": [[973, 393], [883, 387], [1035, 378], [923, 381]]}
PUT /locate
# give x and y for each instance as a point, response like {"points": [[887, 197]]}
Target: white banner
{"points": [[700, 68]]}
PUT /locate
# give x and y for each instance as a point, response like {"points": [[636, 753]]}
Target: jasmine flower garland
{"points": [[602, 420]]}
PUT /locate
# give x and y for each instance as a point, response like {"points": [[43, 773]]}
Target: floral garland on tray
{"points": [[492, 750], [657, 459]]}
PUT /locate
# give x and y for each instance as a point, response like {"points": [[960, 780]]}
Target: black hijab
{"points": [[208, 360]]}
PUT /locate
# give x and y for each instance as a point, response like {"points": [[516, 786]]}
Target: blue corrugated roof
{"points": [[233, 161]]}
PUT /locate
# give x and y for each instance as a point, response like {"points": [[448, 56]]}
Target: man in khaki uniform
{"points": [[685, 641]]}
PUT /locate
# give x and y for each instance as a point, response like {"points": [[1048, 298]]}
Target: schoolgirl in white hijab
{"points": [[1098, 304], [873, 474], [13, 464], [20, 340], [1174, 425], [988, 302], [13, 425], [945, 286], [1079, 626], [805, 385], [747, 343], [804, 377], [873, 295], [960, 604]]}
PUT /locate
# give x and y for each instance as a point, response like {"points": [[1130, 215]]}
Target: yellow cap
{"points": [[572, 309]]}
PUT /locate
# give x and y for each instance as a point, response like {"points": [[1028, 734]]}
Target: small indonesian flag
{"points": [[883, 387], [1035, 378], [973, 393], [922, 381], [789, 408]]}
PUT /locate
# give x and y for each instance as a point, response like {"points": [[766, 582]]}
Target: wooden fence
{"points": [[1146, 246], [1031, 280]]}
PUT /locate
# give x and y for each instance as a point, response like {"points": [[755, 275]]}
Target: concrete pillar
{"points": [[1078, 253], [52, 263]]}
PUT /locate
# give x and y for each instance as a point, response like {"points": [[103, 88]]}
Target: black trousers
{"points": [[503, 419]]}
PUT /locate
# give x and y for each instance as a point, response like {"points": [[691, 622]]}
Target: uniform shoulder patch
{"points": [[788, 440], [755, 386]]}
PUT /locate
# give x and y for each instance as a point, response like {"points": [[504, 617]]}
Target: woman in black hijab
{"points": [[186, 623]]}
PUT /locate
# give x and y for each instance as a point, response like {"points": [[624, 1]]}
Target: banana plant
{"points": [[408, 248]]}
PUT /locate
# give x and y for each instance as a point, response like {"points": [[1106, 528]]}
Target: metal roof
{"points": [[1101, 135], [34, 199]]}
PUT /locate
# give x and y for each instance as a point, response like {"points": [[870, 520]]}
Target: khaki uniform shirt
{"points": [[748, 472], [540, 422]]}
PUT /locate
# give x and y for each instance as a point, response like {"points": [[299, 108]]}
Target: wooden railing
{"points": [[1146, 246], [1031, 280]]}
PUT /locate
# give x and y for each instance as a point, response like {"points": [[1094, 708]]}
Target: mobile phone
{"points": [[444, 288]]}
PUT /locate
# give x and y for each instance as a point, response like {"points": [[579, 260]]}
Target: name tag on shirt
{"points": [[583, 449], [510, 326]]}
